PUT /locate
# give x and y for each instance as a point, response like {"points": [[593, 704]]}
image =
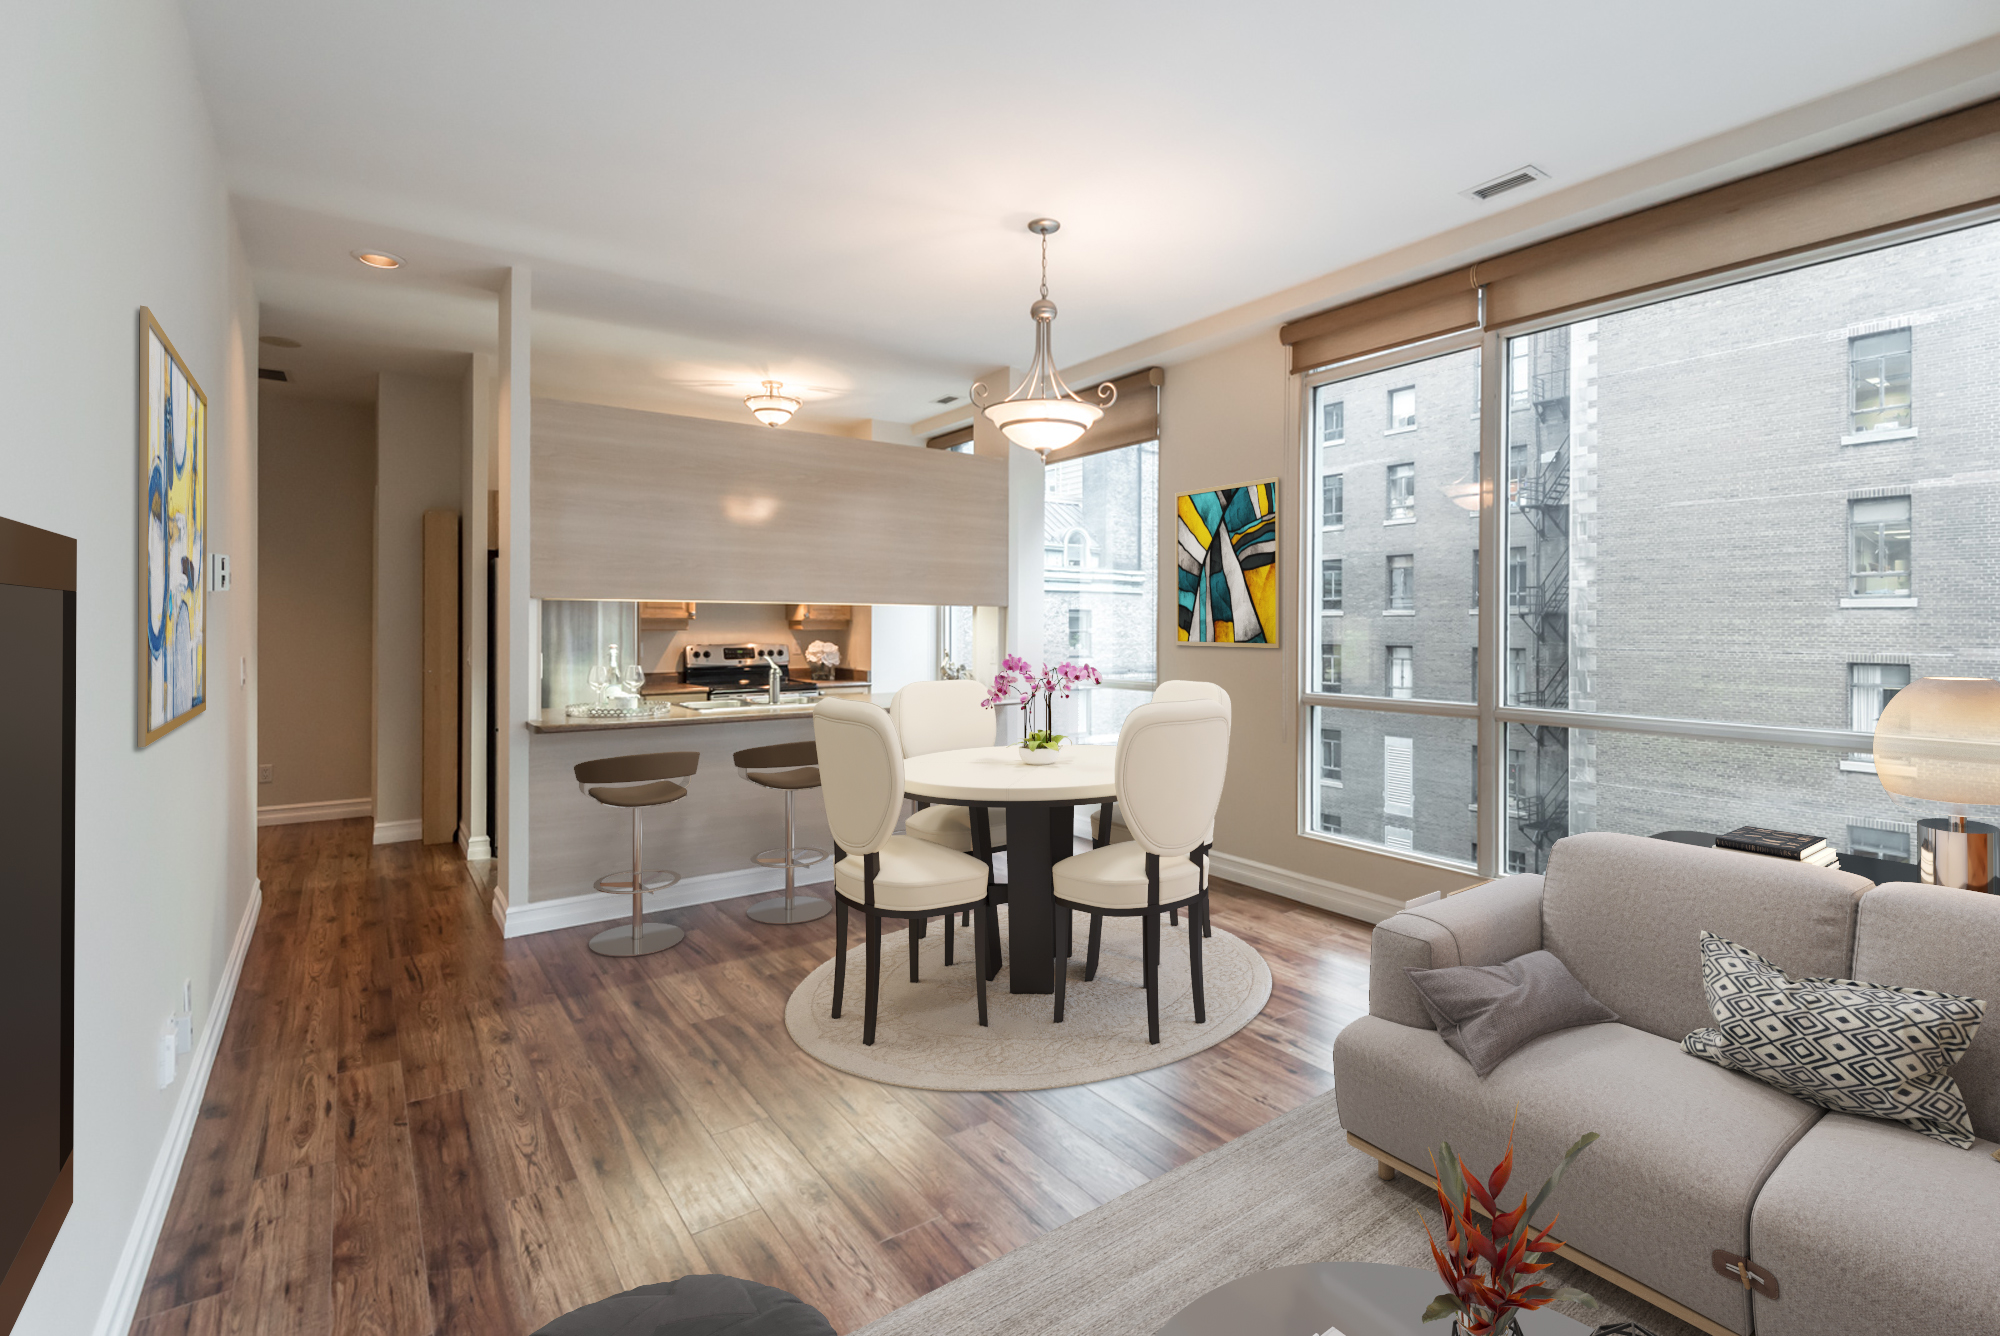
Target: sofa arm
{"points": [[1486, 925]]}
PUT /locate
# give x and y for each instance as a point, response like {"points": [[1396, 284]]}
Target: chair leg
{"points": [[916, 932], [1062, 958], [839, 952], [979, 954], [1096, 940], [950, 924], [1194, 963], [1174, 916], [872, 986], [1206, 929], [991, 955], [1152, 962]]}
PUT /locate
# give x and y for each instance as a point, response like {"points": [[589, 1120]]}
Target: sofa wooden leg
{"points": [[1385, 1171]]}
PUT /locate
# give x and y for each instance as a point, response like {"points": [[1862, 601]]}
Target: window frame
{"points": [[1492, 713], [1392, 476], [1406, 601]]}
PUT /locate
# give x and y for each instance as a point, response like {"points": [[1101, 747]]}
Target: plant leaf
{"points": [[1444, 1305], [1548, 1188], [1571, 1295]]}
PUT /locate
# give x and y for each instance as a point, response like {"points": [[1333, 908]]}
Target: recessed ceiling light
{"points": [[277, 341], [378, 259]]}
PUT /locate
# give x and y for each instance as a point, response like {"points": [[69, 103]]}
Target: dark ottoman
{"points": [[695, 1306]]}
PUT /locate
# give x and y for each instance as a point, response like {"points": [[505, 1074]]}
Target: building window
{"points": [[1520, 371], [1893, 845], [1878, 372], [1398, 837], [1399, 792], [1879, 545], [1329, 754], [1403, 408], [1403, 583], [1332, 422], [1517, 860], [1402, 673], [1329, 822], [1332, 501], [1870, 687], [1473, 800], [1517, 674], [1076, 549], [1517, 579], [1079, 633], [1329, 585], [1402, 491], [1329, 667], [1475, 584], [1517, 780]]}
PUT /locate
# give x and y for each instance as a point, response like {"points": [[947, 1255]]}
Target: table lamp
{"points": [[1939, 739]]}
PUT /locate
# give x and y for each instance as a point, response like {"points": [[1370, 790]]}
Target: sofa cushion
{"points": [[1869, 1227], [1848, 1046], [1482, 925], [1912, 936], [1685, 1146], [1486, 1012], [1625, 914]]}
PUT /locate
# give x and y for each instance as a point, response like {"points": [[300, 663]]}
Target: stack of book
{"points": [[1780, 844]]}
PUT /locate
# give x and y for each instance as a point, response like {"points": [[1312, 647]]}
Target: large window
{"points": [[1709, 513], [1100, 531]]}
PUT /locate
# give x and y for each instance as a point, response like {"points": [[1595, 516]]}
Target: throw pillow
{"points": [[1852, 1047], [1486, 1012]]}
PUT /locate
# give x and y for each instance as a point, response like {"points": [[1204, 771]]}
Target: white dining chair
{"points": [[1113, 830], [947, 716], [1167, 775], [883, 874]]}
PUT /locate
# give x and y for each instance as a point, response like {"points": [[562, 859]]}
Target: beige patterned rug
{"points": [[927, 1034]]}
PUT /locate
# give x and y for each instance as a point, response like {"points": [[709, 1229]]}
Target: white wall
{"points": [[316, 513], [419, 447], [115, 200]]}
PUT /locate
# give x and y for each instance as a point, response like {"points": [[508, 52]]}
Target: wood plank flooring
{"points": [[415, 1127]]}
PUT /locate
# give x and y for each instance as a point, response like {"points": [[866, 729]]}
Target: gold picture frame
{"points": [[173, 537]]}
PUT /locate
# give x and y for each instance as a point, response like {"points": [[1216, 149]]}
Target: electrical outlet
{"points": [[263, 774], [163, 1059], [218, 572]]}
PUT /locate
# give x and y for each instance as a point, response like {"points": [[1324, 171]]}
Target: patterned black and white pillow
{"points": [[1852, 1047]]}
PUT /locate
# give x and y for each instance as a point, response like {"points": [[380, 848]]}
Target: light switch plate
{"points": [[263, 774], [218, 571]]}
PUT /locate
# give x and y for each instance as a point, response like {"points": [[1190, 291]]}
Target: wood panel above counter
{"points": [[634, 505]]}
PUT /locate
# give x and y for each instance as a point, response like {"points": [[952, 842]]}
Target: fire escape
{"points": [[1540, 495]]}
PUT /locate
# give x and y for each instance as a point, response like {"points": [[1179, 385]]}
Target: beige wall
{"points": [[1227, 418], [419, 438], [316, 514]]}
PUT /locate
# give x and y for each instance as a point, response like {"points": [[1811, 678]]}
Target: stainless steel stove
{"points": [[741, 670]]}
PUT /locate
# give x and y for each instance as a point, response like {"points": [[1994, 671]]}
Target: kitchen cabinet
{"points": [[820, 616], [665, 616]]}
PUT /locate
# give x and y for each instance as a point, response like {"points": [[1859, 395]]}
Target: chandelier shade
{"points": [[1042, 413], [772, 408]]}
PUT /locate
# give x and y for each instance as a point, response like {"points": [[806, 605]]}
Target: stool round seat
{"points": [[790, 768], [696, 1306], [635, 783]]}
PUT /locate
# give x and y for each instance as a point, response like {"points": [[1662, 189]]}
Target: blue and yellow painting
{"points": [[176, 551], [1228, 558]]}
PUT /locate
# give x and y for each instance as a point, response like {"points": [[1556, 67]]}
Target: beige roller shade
{"points": [[1133, 417], [1446, 304], [957, 436]]}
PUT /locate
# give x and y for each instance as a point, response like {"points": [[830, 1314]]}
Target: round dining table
{"points": [[1040, 802]]}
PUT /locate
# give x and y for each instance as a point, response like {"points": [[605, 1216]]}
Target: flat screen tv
{"points": [[37, 898]]}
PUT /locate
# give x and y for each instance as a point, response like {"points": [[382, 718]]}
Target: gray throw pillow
{"points": [[1486, 1012], [1859, 1048]]}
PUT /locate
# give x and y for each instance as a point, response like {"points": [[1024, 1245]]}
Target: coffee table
{"points": [[1355, 1298]]}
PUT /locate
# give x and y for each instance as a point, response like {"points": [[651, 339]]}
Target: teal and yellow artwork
{"points": [[174, 428], [1228, 559]]}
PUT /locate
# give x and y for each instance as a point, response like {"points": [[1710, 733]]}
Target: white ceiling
{"points": [[834, 195]]}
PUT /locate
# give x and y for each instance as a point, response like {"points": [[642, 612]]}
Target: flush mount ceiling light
{"points": [[773, 408], [1043, 413], [378, 259]]}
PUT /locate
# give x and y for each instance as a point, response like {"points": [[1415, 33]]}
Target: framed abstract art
{"points": [[173, 441], [1227, 553]]}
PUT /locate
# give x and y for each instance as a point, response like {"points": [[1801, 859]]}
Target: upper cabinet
{"points": [[665, 616], [820, 616]]}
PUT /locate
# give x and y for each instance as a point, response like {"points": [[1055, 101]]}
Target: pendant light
{"points": [[1043, 413], [773, 408]]}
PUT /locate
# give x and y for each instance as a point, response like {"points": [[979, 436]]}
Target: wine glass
{"points": [[632, 677], [600, 681]]}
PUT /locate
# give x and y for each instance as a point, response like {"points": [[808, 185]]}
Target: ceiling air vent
{"points": [[271, 373], [1500, 185], [947, 399]]}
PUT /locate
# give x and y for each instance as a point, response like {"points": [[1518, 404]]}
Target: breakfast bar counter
{"points": [[671, 714]]}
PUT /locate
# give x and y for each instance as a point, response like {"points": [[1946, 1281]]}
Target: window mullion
{"points": [[1490, 823]]}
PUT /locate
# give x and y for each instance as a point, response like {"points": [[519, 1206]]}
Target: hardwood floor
{"points": [[414, 1127]]}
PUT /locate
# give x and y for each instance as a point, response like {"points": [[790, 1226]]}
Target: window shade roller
{"points": [[957, 436], [1432, 308], [1132, 418]]}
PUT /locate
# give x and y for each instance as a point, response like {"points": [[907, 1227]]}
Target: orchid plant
{"points": [[1485, 1304], [1018, 683]]}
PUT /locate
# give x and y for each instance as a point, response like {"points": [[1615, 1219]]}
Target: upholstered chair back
{"points": [[1185, 689], [941, 716], [1913, 936], [1168, 772], [860, 772]]}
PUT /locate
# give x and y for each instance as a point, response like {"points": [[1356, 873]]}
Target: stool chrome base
{"points": [[799, 909], [620, 883], [652, 937]]}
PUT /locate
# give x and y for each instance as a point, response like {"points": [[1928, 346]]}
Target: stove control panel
{"points": [[736, 656]]}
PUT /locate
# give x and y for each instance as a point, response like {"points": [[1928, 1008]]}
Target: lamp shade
{"points": [[1939, 739], [1043, 424]]}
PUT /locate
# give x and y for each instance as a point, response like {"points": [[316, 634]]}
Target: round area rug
{"points": [[927, 1034]]}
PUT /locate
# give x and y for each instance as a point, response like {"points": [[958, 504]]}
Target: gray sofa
{"points": [[1865, 1226]]}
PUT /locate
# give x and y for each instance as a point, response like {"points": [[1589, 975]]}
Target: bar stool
{"points": [[637, 782], [787, 767]]}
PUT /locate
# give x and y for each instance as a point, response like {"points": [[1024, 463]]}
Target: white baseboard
{"points": [[500, 909], [477, 849], [396, 832], [572, 911], [128, 1279], [340, 809], [1352, 901]]}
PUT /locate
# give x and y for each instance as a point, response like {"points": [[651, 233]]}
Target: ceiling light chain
{"points": [[1043, 413]]}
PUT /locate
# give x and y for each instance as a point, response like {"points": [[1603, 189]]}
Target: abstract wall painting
{"points": [[174, 558], [1228, 559]]}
